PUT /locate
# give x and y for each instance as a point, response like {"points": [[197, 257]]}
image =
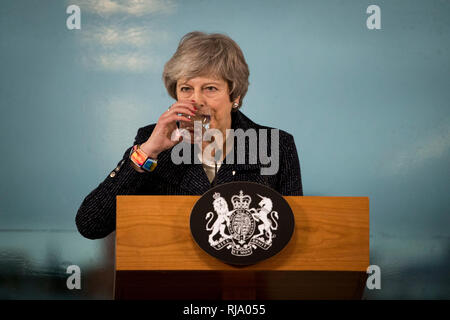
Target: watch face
{"points": [[149, 165], [242, 223]]}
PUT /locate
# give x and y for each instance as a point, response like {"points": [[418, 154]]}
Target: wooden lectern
{"points": [[157, 258]]}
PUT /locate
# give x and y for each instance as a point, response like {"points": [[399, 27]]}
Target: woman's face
{"points": [[211, 96]]}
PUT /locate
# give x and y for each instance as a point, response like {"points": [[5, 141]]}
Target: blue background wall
{"points": [[369, 110]]}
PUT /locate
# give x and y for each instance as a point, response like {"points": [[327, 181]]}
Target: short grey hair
{"points": [[200, 54]]}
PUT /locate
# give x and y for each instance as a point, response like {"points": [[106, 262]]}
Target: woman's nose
{"points": [[198, 97]]}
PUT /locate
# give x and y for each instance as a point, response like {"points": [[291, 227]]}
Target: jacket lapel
{"points": [[195, 180], [228, 170]]}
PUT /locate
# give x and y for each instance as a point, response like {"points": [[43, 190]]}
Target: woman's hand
{"points": [[167, 123]]}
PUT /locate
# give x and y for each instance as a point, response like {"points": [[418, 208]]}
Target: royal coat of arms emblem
{"points": [[242, 222], [242, 229]]}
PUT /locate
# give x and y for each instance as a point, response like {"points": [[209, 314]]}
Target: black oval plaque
{"points": [[242, 223]]}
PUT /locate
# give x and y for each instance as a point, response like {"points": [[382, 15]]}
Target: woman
{"points": [[208, 77]]}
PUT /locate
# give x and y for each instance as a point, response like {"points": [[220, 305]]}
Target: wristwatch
{"points": [[142, 160]]}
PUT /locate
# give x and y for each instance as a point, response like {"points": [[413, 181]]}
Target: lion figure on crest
{"points": [[222, 221]]}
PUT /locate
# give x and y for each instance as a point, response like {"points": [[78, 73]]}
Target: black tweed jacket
{"points": [[96, 217]]}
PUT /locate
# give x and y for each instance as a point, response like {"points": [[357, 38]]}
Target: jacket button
{"points": [[233, 173], [112, 174]]}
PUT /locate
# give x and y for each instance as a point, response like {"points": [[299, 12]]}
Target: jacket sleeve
{"points": [[290, 179], [96, 217]]}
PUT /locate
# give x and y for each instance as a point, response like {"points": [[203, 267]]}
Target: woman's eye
{"points": [[184, 89], [210, 88]]}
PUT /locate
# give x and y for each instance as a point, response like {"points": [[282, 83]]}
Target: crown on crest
{"points": [[240, 201], [216, 195]]}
